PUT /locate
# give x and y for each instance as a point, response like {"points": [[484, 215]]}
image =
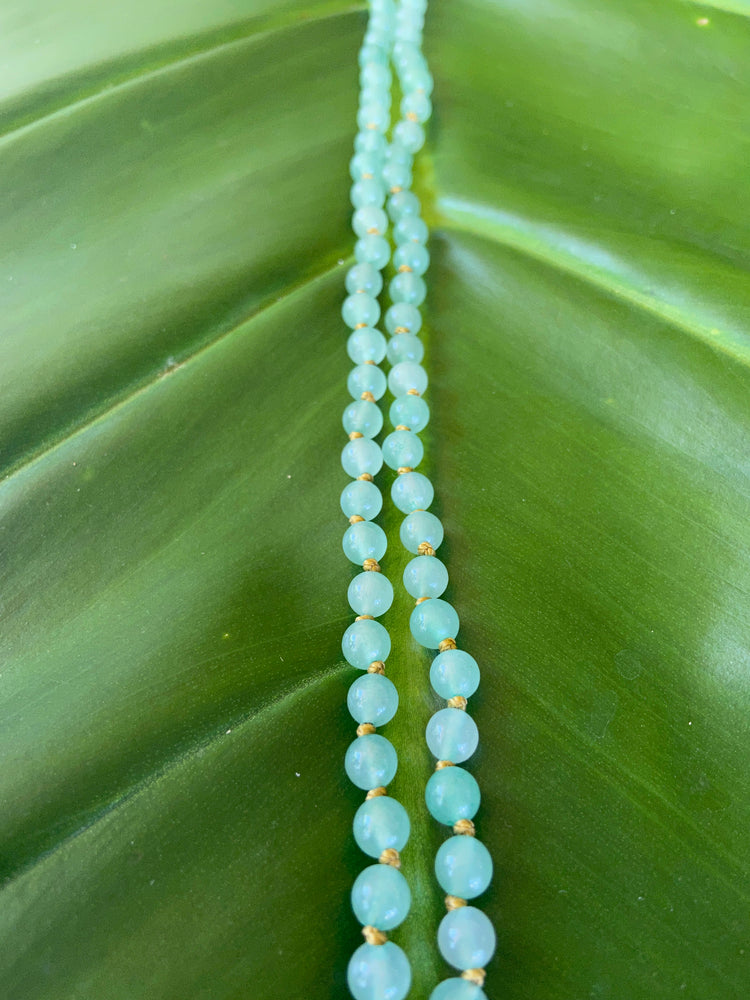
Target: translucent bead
{"points": [[466, 938], [425, 577], [364, 540], [368, 219], [364, 278], [362, 498], [413, 255], [411, 411], [372, 697], [361, 456], [372, 249], [370, 761], [373, 116], [369, 96], [372, 54], [463, 866], [407, 287], [375, 74], [368, 191], [381, 823], [410, 135], [405, 376], [364, 417], [410, 228], [396, 175], [379, 972], [362, 164], [405, 347], [398, 154], [412, 491], [365, 345], [404, 317], [432, 621], [370, 594], [381, 897], [457, 989], [365, 641], [402, 448], [360, 309], [454, 672], [370, 141], [366, 378], [417, 79], [421, 526], [451, 733], [418, 104], [452, 794], [403, 203]]}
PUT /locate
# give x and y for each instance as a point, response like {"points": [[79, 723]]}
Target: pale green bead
{"points": [[432, 621], [372, 698], [410, 228], [381, 823], [407, 287], [379, 972], [420, 526], [396, 175], [370, 762], [372, 54], [405, 347], [466, 938], [369, 218], [417, 78], [411, 411], [457, 989], [410, 135], [451, 733], [407, 376], [367, 191], [373, 116], [425, 577], [373, 249], [364, 417], [453, 673], [452, 794], [403, 203], [418, 104], [369, 141], [412, 491], [365, 163], [412, 255], [362, 498], [360, 309], [381, 897], [375, 74], [375, 96], [397, 154], [366, 345], [463, 867], [364, 278], [370, 594], [364, 540], [361, 456], [402, 449], [365, 641], [403, 316], [366, 378]]}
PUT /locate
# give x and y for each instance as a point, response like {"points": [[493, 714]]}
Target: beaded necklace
{"points": [[381, 898]]}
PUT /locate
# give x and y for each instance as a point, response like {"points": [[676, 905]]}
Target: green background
{"points": [[174, 816]]}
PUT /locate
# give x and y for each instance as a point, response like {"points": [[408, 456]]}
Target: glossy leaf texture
{"points": [[175, 819]]}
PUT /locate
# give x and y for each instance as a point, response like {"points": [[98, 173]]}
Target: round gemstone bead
{"points": [[466, 938], [362, 498], [409, 228], [452, 794], [364, 278], [364, 417], [381, 897], [361, 456], [373, 116], [403, 203], [463, 866], [404, 317], [396, 175], [405, 347], [372, 54], [396, 153], [370, 761], [370, 141], [364, 540], [369, 218], [364, 163], [381, 823], [425, 577], [373, 249], [375, 74], [370, 594], [454, 672], [360, 308], [408, 287], [457, 989], [379, 972], [452, 734], [421, 526], [410, 135], [366, 345], [368, 191], [407, 375], [432, 621], [372, 698], [401, 449], [417, 104], [412, 491], [411, 411], [366, 378], [365, 641], [412, 255]]}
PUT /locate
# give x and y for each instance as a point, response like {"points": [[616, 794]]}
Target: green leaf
{"points": [[175, 818]]}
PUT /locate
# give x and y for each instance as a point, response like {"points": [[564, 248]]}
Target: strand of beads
{"points": [[381, 899]]}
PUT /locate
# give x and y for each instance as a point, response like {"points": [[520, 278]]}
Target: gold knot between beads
{"points": [[419, 600], [360, 326], [365, 477], [353, 435], [476, 976], [401, 329], [365, 729], [404, 269], [444, 763], [373, 231], [425, 549], [355, 519], [391, 857], [376, 667], [412, 392], [454, 902], [365, 618], [373, 936], [375, 792], [396, 189], [458, 701], [402, 427], [402, 469], [464, 827], [367, 177], [371, 566], [411, 116], [447, 644], [368, 396]]}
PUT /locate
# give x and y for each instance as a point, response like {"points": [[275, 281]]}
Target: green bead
{"points": [[364, 278], [425, 577], [454, 672], [362, 498], [364, 417], [373, 116], [407, 287], [361, 456], [452, 794], [366, 378], [420, 526], [379, 972], [407, 376], [410, 135], [451, 733], [364, 540], [365, 642], [466, 938], [372, 54], [370, 762], [368, 191], [372, 698], [457, 989], [364, 163], [404, 317], [370, 218], [375, 74], [396, 175], [405, 347], [417, 104], [369, 141], [373, 249], [370, 594], [398, 155], [381, 897], [401, 449], [415, 256], [403, 203], [381, 823], [411, 411], [366, 345], [410, 228], [432, 621], [360, 308], [463, 866]]}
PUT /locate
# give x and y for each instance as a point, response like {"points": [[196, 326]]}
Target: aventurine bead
{"points": [[454, 672], [416, 104], [452, 794], [370, 218], [425, 577], [366, 378], [362, 498], [370, 762], [379, 972], [381, 897], [370, 141], [405, 347], [402, 448], [361, 456], [364, 278], [457, 989], [373, 249], [431, 622], [407, 287], [364, 417], [403, 203], [370, 594], [466, 938], [368, 191], [381, 823], [410, 135], [463, 866], [411, 411], [407, 375], [365, 641], [360, 309], [410, 228], [372, 697], [365, 345], [364, 540], [396, 175], [451, 733], [403, 316], [413, 255], [421, 526]]}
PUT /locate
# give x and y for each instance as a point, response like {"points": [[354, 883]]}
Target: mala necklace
{"points": [[381, 898]]}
